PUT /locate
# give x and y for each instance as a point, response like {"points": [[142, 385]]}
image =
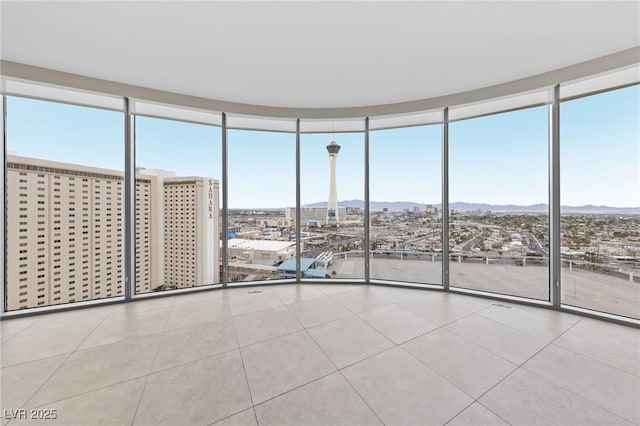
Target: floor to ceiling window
{"points": [[64, 203], [498, 193], [600, 199], [332, 205], [178, 174], [262, 189], [405, 190]]}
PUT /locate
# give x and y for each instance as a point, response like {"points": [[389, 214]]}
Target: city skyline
{"points": [[262, 164]]}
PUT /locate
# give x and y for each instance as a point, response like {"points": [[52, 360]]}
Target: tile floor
{"points": [[319, 355]]}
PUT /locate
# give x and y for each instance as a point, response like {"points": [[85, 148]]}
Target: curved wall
{"points": [[607, 73]]}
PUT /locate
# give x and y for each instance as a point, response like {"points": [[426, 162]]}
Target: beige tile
{"points": [[612, 344], [349, 340], [395, 294], [245, 300], [477, 415], [360, 300], [281, 364], [297, 293], [19, 382], [123, 327], [113, 405], [192, 343], [403, 391], [265, 324], [87, 317], [599, 383], [98, 367], [469, 367], [211, 296], [143, 305], [495, 337], [33, 344], [336, 288], [396, 323], [434, 309], [524, 397], [318, 311], [327, 401], [198, 393], [13, 326], [542, 323], [186, 315], [244, 418]]}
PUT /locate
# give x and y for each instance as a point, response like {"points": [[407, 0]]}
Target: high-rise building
{"points": [[65, 232], [332, 208]]}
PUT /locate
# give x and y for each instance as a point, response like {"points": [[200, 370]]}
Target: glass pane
{"points": [[332, 195], [406, 215], [600, 198], [64, 203], [499, 213], [262, 185], [178, 172]]}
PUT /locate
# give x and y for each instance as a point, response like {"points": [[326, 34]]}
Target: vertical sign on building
{"points": [[210, 199]]}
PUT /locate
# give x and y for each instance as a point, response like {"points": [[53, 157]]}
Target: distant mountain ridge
{"points": [[464, 207]]}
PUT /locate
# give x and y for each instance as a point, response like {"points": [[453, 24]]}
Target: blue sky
{"points": [[498, 159]]}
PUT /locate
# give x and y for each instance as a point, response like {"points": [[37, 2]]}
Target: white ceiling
{"points": [[313, 54]]}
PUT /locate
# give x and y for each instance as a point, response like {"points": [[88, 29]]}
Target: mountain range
{"points": [[462, 207]]}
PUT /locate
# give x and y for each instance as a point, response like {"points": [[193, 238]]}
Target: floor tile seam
{"points": [[492, 412], [579, 396], [270, 338], [519, 366], [360, 312], [34, 360], [124, 340], [440, 375], [153, 361], [389, 338], [279, 298], [233, 319], [251, 312], [482, 347], [369, 357], [565, 324], [439, 327], [384, 336], [266, 309], [322, 350], [584, 355], [192, 361], [316, 325], [62, 363], [15, 334], [617, 339], [324, 376], [231, 415], [598, 361], [246, 376], [459, 412], [199, 302], [397, 304], [361, 397], [91, 391], [195, 324], [209, 303], [169, 308], [547, 340]]}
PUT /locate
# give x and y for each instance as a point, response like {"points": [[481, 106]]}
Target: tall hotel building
{"points": [[65, 232]]}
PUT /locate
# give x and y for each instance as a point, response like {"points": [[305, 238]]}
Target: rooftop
{"points": [[266, 245]]}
